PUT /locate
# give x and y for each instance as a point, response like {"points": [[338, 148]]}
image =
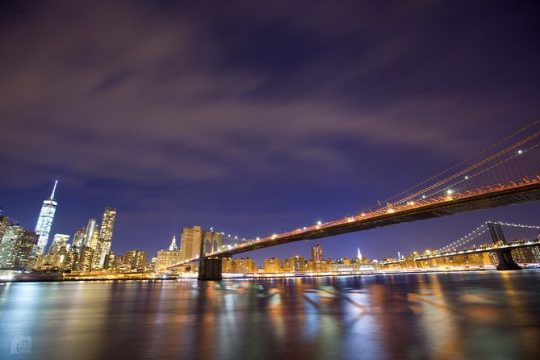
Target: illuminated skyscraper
{"points": [[91, 234], [105, 235], [16, 247], [59, 245], [78, 240], [317, 253], [191, 242], [45, 220]]}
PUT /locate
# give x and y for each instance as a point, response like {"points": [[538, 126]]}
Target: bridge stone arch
{"points": [[211, 241]]}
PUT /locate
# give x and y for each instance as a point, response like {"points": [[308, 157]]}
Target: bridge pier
{"points": [[506, 262], [210, 269]]}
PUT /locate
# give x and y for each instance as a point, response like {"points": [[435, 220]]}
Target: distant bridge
{"points": [[499, 244]]}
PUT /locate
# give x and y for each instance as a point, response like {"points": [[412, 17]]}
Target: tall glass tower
{"points": [[105, 234], [45, 220]]}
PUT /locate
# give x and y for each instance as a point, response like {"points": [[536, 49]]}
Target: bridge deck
{"points": [[499, 195]]}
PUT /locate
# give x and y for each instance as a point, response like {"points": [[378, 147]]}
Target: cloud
{"points": [[142, 93]]}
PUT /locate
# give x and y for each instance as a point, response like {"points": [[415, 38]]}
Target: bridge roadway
{"points": [[482, 198], [491, 248]]}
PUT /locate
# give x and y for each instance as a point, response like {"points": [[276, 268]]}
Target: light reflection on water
{"points": [[491, 315]]}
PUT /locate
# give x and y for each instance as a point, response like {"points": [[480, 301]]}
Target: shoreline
{"points": [[153, 277]]}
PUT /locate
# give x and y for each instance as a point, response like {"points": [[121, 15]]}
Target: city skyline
{"points": [[257, 126], [290, 249], [269, 180]]}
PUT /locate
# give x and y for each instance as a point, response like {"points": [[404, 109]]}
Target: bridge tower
{"points": [[209, 267], [506, 262]]}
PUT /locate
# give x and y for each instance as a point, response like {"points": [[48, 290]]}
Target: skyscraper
{"points": [[59, 245], [78, 240], [45, 220], [90, 237], [8, 246], [191, 241], [317, 253], [173, 244], [105, 234]]}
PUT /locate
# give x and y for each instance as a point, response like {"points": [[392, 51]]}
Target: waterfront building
{"points": [[25, 251], [72, 259], [112, 261], [8, 246], [134, 260], [227, 265], [17, 248], [318, 266], [244, 265], [105, 236], [85, 261], [317, 253], [45, 220], [523, 255], [294, 264], [272, 265], [166, 259]]}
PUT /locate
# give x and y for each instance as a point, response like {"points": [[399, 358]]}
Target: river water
{"points": [[473, 315]]}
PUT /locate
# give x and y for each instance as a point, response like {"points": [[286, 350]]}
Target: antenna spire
{"points": [[54, 189]]}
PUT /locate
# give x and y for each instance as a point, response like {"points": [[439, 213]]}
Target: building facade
{"points": [[45, 220]]}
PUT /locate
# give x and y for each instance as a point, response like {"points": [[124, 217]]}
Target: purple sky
{"points": [[256, 117]]}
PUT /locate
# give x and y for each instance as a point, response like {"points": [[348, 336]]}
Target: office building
{"points": [[105, 235], [91, 234], [317, 253], [191, 241], [78, 240], [45, 220], [17, 248], [166, 259], [59, 246], [135, 260]]}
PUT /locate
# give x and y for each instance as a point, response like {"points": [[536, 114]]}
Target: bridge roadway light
{"points": [[319, 222], [520, 152]]}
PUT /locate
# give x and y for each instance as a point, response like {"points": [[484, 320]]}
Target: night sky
{"points": [[256, 117]]}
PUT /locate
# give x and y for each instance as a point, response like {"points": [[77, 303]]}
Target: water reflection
{"points": [[439, 316]]}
